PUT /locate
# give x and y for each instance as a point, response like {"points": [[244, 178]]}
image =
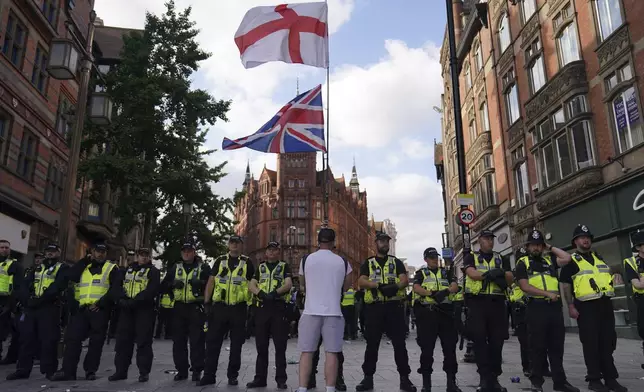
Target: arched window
{"points": [[504, 33]]}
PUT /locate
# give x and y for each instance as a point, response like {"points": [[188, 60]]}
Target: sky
{"points": [[385, 81]]}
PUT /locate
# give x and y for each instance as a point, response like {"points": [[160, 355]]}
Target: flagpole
{"points": [[325, 161]]}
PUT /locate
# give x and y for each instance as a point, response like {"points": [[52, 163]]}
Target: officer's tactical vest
{"points": [[349, 298], [272, 280], [6, 280], [166, 301], [384, 275], [599, 273], [44, 277], [632, 262], [458, 296], [186, 294], [516, 295], [92, 287], [136, 281], [433, 282], [231, 288], [546, 281], [475, 287]]}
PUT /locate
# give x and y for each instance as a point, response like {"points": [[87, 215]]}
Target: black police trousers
{"points": [[487, 327], [8, 328], [83, 324], [135, 326], [271, 322], [598, 338], [224, 319], [389, 318], [187, 325], [39, 330], [639, 301], [436, 323], [350, 327], [546, 332], [521, 330], [164, 323]]}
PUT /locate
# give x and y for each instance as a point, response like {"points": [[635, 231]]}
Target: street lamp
{"points": [[100, 109], [63, 59], [187, 214]]}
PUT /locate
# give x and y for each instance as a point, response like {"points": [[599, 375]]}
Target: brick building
{"points": [[286, 205], [36, 116], [552, 116]]}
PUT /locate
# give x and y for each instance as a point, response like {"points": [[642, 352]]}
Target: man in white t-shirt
{"points": [[322, 316]]}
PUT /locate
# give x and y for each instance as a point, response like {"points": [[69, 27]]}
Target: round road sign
{"points": [[466, 216]]}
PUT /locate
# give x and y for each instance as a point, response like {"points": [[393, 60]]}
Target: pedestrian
{"points": [[41, 292], [634, 272], [187, 282], [324, 276], [99, 286], [349, 313], [136, 317], [536, 275], [11, 276], [164, 317], [590, 304], [226, 303], [271, 284], [435, 317], [488, 277], [384, 279], [340, 385]]}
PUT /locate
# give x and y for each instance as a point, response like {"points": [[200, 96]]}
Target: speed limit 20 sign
{"points": [[466, 216]]}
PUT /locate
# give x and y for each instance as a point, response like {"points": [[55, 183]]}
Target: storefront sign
{"points": [[638, 203], [16, 232]]}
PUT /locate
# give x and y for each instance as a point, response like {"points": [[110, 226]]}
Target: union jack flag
{"points": [[297, 127]]}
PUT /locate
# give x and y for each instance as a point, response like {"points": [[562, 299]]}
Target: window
{"points": [[528, 8], [290, 209], [273, 235], [301, 183], [473, 134], [301, 236], [483, 186], [55, 180], [623, 74], [511, 97], [15, 40], [27, 156], [93, 210], [521, 181], [504, 33], [609, 17], [5, 136], [275, 213], [301, 207], [290, 236], [291, 183], [567, 45], [478, 57], [49, 9], [318, 210], [468, 77], [484, 117], [39, 73], [628, 121], [536, 67]]}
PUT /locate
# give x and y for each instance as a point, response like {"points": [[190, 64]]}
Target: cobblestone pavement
{"points": [[628, 357]]}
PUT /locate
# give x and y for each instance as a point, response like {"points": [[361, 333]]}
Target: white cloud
{"points": [[417, 149]]}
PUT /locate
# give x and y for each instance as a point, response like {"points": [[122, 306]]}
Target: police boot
{"points": [[496, 387], [17, 375], [339, 384], [614, 386], [484, 385], [196, 376], [452, 386], [565, 387], [62, 376], [117, 376], [207, 379], [406, 385], [427, 383], [365, 385]]}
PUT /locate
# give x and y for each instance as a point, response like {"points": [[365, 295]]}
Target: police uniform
{"points": [[592, 287], [634, 270], [164, 318], [116, 310], [11, 276], [186, 280], [517, 300], [98, 286], [136, 321], [487, 318], [435, 318], [458, 302], [41, 292], [229, 299], [544, 317], [349, 313]]}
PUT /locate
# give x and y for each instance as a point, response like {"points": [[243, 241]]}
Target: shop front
{"points": [[17, 233], [612, 215]]}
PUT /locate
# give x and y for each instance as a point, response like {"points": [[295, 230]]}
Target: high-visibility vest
{"points": [[433, 282], [599, 273], [231, 288], [475, 287], [385, 275], [349, 298], [6, 280], [516, 295], [272, 280], [136, 281], [92, 288], [44, 277], [632, 262], [186, 294], [546, 281], [457, 296], [166, 301]]}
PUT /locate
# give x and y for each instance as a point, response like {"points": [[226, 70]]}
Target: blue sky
{"points": [[385, 80]]}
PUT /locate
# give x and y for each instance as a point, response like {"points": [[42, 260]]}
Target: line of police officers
{"points": [[584, 280]]}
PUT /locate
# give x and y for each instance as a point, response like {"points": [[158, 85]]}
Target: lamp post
{"points": [[187, 214], [62, 65]]}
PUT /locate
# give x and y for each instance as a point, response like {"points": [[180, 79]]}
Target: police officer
{"points": [[634, 273], [458, 302], [435, 318], [187, 282], [517, 300], [384, 279], [130, 260], [164, 318], [487, 278], [271, 284], [226, 301], [136, 321], [349, 313], [40, 327], [99, 286], [591, 306], [11, 276], [536, 275]]}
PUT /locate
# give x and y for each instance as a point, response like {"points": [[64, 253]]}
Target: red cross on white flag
{"points": [[292, 33]]}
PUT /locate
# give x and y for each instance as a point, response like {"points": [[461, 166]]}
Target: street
{"points": [[627, 357]]}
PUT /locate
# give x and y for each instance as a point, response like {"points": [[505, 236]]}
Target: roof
{"points": [[110, 40]]}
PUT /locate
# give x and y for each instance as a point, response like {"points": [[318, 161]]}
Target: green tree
{"points": [[153, 152]]}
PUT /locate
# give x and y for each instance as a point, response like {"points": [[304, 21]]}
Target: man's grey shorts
{"points": [[331, 328]]}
